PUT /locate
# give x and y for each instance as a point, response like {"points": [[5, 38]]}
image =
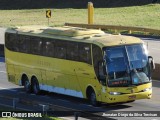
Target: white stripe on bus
{"points": [[61, 90]]}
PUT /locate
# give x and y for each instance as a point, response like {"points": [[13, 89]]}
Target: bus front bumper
{"points": [[129, 97]]}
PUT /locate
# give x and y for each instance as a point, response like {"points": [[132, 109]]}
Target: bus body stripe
{"points": [[61, 90]]}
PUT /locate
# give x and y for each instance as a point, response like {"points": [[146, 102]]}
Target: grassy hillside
{"points": [[141, 16]]}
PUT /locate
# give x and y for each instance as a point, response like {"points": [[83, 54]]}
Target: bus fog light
{"points": [[114, 93]]}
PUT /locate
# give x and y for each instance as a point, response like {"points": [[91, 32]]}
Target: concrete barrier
{"points": [[156, 72]]}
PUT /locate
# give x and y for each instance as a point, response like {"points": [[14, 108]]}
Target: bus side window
{"points": [[48, 48], [36, 46], [9, 43], [72, 51], [85, 53], [97, 57], [23, 43], [60, 49], [11, 40]]}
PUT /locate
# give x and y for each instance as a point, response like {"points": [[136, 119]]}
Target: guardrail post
{"points": [[130, 31], [76, 115], [15, 101], [90, 12], [147, 46], [44, 108], [115, 31]]}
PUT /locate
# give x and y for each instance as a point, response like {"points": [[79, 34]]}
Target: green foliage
{"points": [[140, 16]]}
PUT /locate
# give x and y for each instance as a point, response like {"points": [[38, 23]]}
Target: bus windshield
{"points": [[127, 65]]}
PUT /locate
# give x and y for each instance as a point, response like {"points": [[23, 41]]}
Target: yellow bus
{"points": [[79, 62]]}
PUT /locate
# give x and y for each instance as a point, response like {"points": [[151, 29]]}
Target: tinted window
{"points": [[97, 57], [61, 49], [23, 42], [10, 41], [72, 51], [48, 48], [85, 53], [36, 45]]}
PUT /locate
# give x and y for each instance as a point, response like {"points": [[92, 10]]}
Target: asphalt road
{"points": [[152, 104]]}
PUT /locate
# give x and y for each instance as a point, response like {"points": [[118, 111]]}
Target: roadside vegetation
{"points": [[140, 16]]}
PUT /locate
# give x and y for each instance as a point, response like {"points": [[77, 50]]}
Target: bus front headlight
{"points": [[114, 93], [147, 89]]}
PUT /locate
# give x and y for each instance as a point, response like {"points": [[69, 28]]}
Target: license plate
{"points": [[132, 97]]}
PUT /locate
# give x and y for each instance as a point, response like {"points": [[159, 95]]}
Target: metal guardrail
{"points": [[116, 28], [51, 109]]}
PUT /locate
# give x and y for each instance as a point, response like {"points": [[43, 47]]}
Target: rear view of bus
{"points": [[79, 62]]}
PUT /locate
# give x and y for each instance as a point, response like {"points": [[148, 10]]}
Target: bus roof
{"points": [[78, 34]]}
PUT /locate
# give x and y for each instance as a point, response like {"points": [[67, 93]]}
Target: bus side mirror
{"points": [[151, 62]]}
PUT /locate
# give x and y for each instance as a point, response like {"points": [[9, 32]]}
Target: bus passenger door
{"points": [[86, 77], [102, 79]]}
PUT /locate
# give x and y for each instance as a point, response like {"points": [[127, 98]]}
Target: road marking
{"points": [[3, 88], [3, 72], [84, 104], [45, 96], [9, 89], [63, 100], [13, 90]]}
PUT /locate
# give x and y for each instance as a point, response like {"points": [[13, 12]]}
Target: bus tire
{"points": [[92, 96], [35, 86], [93, 99], [27, 86]]}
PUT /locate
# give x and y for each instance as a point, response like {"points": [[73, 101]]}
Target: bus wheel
{"points": [[35, 86], [93, 98], [27, 86]]}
